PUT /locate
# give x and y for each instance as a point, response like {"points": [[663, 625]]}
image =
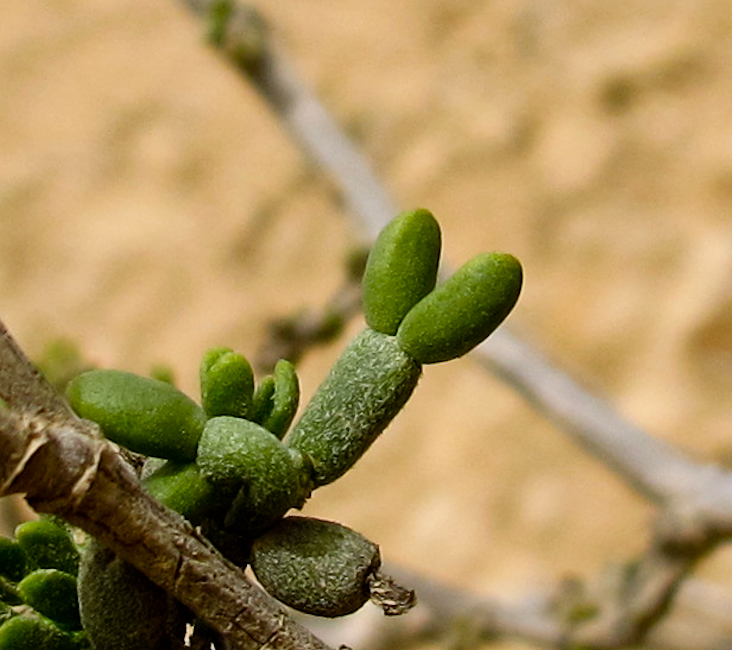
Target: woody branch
{"points": [[64, 467]]}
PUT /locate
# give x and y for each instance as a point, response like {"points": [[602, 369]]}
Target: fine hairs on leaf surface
{"points": [[231, 476], [692, 499]]}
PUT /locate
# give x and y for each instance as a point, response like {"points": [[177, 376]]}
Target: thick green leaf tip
{"points": [[463, 311], [401, 269], [144, 415], [285, 399], [52, 593], [227, 383]]}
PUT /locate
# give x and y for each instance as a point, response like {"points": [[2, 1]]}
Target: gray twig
{"points": [[699, 619]]}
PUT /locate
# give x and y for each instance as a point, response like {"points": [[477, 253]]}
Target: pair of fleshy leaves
{"points": [[434, 324]]}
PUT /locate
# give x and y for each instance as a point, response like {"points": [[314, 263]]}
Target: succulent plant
{"points": [[235, 466]]}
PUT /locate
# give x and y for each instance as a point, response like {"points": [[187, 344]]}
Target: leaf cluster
{"points": [[39, 607], [229, 465]]}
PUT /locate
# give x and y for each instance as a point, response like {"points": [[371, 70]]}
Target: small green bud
{"points": [[315, 566], [227, 383], [401, 269], [12, 559], [285, 399], [48, 545], [263, 400], [28, 632], [236, 453], [460, 313], [52, 593], [145, 415], [180, 487], [365, 389]]}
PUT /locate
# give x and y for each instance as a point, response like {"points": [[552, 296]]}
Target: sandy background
{"points": [[151, 207]]}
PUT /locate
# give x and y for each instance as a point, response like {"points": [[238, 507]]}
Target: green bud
{"points": [[52, 593], [227, 383], [30, 632], [285, 399], [365, 389], [12, 559], [462, 312], [270, 479], [263, 400], [145, 415], [401, 269], [48, 545], [180, 487], [315, 566]]}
